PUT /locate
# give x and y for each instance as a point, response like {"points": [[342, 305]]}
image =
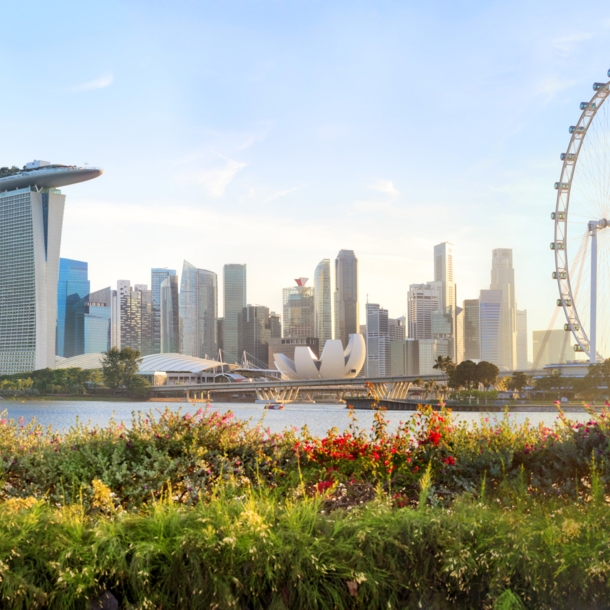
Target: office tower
{"points": [[220, 336], [198, 312], [490, 312], [443, 273], [234, 302], [522, 362], [472, 341], [404, 357], [72, 286], [423, 300], [31, 217], [275, 326], [122, 288], [347, 309], [429, 350], [169, 315], [255, 334], [396, 328], [136, 315], [551, 347], [299, 310], [93, 322], [323, 290], [459, 335], [377, 341], [503, 279], [157, 277]]}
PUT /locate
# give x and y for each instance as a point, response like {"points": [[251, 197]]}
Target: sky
{"points": [[275, 133]]}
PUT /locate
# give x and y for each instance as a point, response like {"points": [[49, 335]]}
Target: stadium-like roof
{"points": [[167, 363], [48, 176]]}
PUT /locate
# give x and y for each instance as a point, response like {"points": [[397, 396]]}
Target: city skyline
{"points": [[324, 126]]}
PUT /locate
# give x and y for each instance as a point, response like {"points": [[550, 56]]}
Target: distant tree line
{"points": [[118, 375]]}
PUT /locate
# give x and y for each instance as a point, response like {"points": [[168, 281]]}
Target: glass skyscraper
{"points": [[93, 322], [158, 276], [323, 289], [234, 302], [299, 311], [198, 312], [72, 287], [170, 315], [347, 310]]}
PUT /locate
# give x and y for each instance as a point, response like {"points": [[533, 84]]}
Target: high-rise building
{"points": [[31, 217], [93, 322], [347, 308], [157, 277], [323, 290], [255, 334], [472, 340], [234, 301], [551, 347], [490, 312], [429, 350], [424, 299], [396, 328], [220, 336], [169, 310], [275, 326], [377, 341], [137, 319], [122, 288], [443, 273], [72, 287], [404, 357], [198, 312], [503, 279], [522, 362], [299, 310]]}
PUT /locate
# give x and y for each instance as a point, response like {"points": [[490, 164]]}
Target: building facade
{"points": [[347, 307], [424, 299], [137, 319], [299, 311], [235, 299], [323, 291], [377, 341], [31, 217], [503, 279], [472, 338], [255, 335], [93, 321], [72, 287], [490, 315], [522, 361], [169, 310], [157, 277], [198, 312]]}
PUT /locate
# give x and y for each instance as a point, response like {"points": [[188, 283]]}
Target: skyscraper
{"points": [[472, 341], [198, 312], [323, 291], [169, 315], [347, 309], [299, 310], [377, 341], [424, 299], [255, 334], [137, 319], [503, 279], [31, 217], [443, 272], [157, 277], [122, 288], [522, 361], [93, 322], [72, 287], [490, 313], [235, 300]]}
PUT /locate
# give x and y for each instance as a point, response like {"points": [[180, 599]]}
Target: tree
{"points": [[517, 381], [120, 367], [464, 375], [487, 374], [444, 364], [598, 376]]}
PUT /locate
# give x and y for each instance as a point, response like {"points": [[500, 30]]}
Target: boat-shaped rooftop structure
{"points": [[43, 175]]}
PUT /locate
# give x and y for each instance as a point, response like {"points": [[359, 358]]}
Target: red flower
{"points": [[450, 460]]}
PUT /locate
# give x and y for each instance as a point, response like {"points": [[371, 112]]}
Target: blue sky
{"points": [[277, 133]]}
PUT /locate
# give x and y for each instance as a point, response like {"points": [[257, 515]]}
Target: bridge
{"points": [[282, 390]]}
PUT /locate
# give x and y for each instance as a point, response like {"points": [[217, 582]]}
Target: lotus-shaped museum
{"points": [[334, 363]]}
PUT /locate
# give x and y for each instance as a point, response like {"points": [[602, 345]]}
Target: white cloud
{"points": [[99, 83], [567, 45], [215, 181], [552, 85], [282, 193], [386, 187]]}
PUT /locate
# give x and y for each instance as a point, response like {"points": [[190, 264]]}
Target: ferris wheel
{"points": [[582, 213]]}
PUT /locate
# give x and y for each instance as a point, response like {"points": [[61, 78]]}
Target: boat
{"points": [[274, 405]]}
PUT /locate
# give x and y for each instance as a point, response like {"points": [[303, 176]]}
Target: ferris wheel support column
{"points": [[593, 333]]}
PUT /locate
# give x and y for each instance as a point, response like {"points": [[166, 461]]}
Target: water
{"points": [[318, 417]]}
